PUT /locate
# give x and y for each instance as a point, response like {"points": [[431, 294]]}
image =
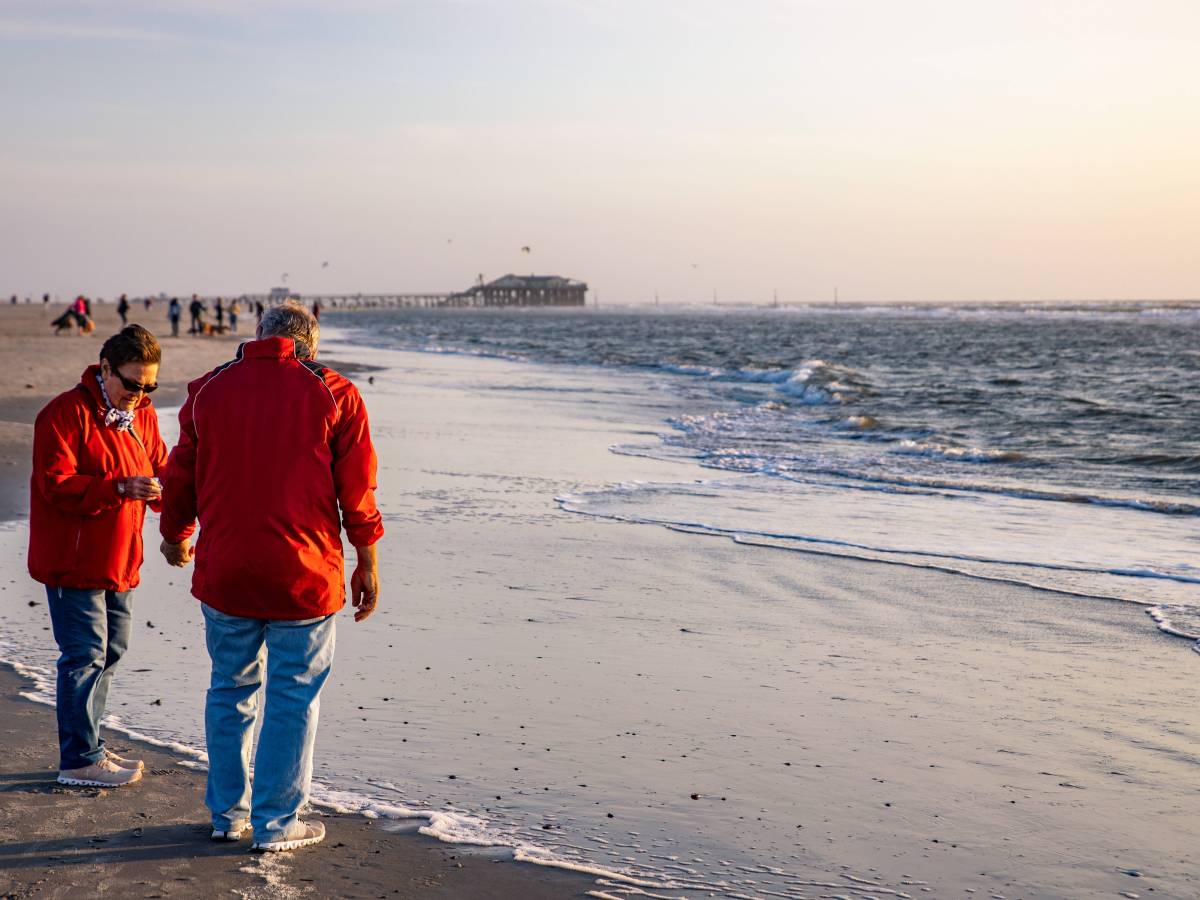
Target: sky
{"points": [[896, 150]]}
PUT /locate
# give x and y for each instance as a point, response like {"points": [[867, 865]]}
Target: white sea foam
{"points": [[814, 382], [772, 464], [962, 454], [1064, 550]]}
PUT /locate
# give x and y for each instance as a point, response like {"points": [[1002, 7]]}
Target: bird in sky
{"points": [[325, 265], [525, 249], [695, 265]]}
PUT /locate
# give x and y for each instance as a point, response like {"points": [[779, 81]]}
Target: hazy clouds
{"points": [[901, 151]]}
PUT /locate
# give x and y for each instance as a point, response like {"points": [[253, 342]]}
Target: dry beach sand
{"points": [[873, 730], [42, 364]]}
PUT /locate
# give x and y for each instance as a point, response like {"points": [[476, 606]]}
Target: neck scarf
{"points": [[122, 420]]}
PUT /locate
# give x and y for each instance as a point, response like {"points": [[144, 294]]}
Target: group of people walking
{"points": [[222, 312], [79, 314], [268, 564]]}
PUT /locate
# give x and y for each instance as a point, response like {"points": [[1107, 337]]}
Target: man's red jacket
{"points": [[82, 532], [270, 447]]}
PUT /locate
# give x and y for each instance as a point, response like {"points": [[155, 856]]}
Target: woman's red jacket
{"points": [[82, 532]]}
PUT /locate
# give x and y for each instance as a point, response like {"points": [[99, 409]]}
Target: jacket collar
{"points": [[89, 385], [268, 348]]}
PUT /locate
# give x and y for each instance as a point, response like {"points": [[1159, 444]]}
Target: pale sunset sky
{"points": [[903, 150]]}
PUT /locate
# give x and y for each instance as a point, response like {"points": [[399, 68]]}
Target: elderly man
{"points": [[271, 445]]}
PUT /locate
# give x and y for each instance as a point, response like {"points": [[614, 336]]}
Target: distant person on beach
{"points": [[146, 303], [234, 308], [123, 309], [258, 312], [174, 313], [97, 458], [196, 309], [271, 445], [316, 310], [77, 315], [220, 311]]}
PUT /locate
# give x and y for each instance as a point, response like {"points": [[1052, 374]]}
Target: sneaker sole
{"points": [[230, 836], [276, 846], [84, 782]]}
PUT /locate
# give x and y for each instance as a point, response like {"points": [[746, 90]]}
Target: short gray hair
{"points": [[292, 320]]}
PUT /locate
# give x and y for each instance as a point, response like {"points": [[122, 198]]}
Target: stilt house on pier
{"points": [[523, 290]]}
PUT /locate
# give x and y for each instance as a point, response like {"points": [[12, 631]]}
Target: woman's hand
{"points": [[142, 487]]}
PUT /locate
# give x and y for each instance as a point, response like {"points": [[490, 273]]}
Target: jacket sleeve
{"points": [[354, 466], [56, 435], [156, 448], [179, 480]]}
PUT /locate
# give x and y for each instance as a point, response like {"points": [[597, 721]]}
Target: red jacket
{"points": [[270, 447], [82, 533]]}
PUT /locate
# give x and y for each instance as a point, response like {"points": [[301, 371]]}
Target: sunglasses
{"points": [[133, 386]]}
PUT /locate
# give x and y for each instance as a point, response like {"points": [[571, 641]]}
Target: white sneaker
{"points": [[122, 762], [234, 832], [101, 774], [304, 834]]}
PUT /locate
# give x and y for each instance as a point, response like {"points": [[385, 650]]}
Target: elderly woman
{"points": [[97, 455]]}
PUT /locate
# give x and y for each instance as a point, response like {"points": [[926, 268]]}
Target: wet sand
{"points": [[151, 839]]}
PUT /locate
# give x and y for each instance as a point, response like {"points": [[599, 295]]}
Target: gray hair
{"points": [[291, 320]]}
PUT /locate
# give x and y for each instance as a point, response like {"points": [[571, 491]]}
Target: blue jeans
{"points": [[92, 631], [297, 657]]}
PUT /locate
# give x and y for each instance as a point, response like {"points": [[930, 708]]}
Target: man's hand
{"points": [[141, 487], [178, 554], [364, 583]]}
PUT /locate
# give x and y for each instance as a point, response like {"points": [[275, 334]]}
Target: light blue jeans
{"points": [[92, 631], [296, 657]]}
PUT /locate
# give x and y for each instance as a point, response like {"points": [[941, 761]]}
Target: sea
{"points": [[1054, 445], [1049, 445]]}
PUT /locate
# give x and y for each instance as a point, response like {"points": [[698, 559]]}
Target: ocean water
{"points": [[1056, 446]]}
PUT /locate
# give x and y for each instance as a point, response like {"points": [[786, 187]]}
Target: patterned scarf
{"points": [[120, 418]]}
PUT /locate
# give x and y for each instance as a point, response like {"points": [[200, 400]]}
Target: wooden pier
{"points": [[351, 301], [507, 291]]}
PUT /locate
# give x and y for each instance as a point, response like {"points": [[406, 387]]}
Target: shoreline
{"points": [[152, 838]]}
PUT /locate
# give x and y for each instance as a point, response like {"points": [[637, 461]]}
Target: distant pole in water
{"points": [[775, 299], [715, 303], [835, 295], [656, 298]]}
